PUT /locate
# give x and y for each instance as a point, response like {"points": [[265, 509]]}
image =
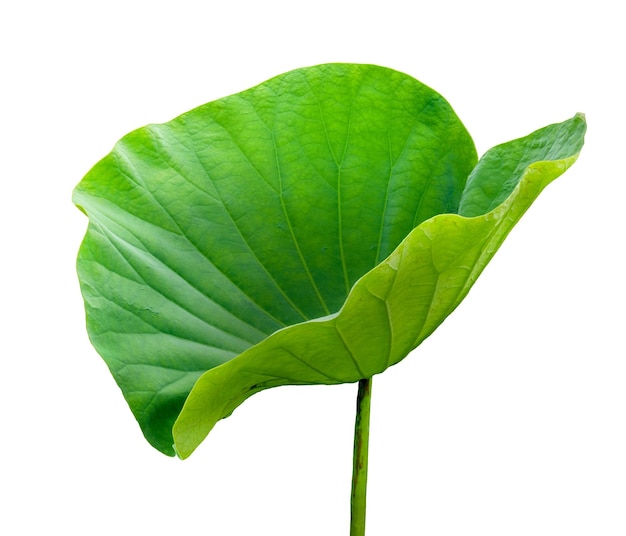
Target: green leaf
{"points": [[313, 229]]}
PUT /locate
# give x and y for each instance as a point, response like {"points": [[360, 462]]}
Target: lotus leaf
{"points": [[314, 229]]}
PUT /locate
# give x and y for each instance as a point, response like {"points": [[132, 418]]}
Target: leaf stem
{"points": [[359, 468]]}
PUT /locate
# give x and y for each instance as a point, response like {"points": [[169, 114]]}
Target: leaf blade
{"points": [[221, 240]]}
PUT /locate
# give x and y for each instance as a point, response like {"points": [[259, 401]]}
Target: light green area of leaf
{"points": [[304, 231]]}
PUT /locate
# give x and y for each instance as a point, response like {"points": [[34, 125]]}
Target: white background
{"points": [[509, 420]]}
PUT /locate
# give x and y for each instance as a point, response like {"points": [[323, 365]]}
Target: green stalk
{"points": [[359, 467]]}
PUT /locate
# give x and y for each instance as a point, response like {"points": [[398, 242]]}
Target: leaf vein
{"points": [[350, 353], [109, 234], [181, 233], [236, 227]]}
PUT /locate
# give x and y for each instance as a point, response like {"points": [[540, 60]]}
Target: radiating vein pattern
{"points": [[217, 237]]}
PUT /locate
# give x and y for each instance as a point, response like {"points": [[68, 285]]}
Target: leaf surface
{"points": [[313, 229]]}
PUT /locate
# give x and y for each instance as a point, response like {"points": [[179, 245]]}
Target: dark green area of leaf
{"points": [[303, 231]]}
